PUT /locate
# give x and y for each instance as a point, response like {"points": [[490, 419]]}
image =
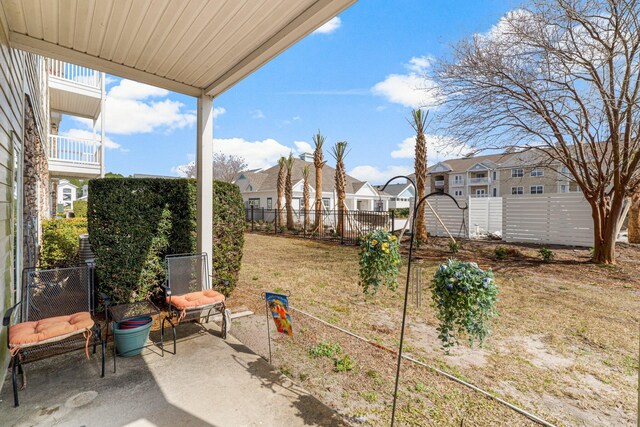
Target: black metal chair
{"points": [[189, 295], [56, 315]]}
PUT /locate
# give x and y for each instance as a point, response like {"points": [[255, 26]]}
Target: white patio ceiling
{"points": [[187, 46]]}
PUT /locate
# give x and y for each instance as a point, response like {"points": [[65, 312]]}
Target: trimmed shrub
{"points": [[60, 244], [80, 208], [134, 223]]}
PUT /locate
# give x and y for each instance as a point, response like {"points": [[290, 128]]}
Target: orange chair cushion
{"points": [[196, 299], [51, 329]]}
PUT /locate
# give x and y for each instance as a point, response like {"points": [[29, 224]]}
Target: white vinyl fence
{"points": [[485, 216], [561, 219], [451, 216]]}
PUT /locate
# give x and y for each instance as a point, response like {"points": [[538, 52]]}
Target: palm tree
{"points": [[288, 191], [282, 176], [419, 124], [305, 196], [318, 162], [339, 152]]}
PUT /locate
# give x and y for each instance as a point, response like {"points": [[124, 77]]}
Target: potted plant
{"points": [[131, 335], [464, 297]]}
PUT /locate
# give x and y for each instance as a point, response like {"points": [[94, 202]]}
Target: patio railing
{"points": [[74, 150], [356, 223], [75, 73]]}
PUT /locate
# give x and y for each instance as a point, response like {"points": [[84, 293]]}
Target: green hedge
{"points": [[134, 223], [80, 208], [60, 244]]}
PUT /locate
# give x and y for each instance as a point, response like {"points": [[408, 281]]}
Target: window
{"points": [[296, 203], [66, 194], [537, 189], [254, 202], [326, 203], [495, 192], [564, 188], [517, 190], [458, 193], [517, 173], [537, 172], [481, 175], [481, 193], [269, 203], [495, 175], [457, 179]]}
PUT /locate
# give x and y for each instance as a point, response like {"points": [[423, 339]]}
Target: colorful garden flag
{"points": [[279, 306]]}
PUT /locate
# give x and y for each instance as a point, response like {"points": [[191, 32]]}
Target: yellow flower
{"points": [[385, 245], [374, 242], [393, 238]]}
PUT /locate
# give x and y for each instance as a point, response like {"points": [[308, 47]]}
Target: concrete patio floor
{"points": [[210, 382]]}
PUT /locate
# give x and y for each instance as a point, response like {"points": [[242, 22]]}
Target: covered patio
{"points": [[211, 382], [201, 49]]}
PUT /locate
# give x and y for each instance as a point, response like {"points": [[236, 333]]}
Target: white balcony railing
{"points": [[483, 180], [439, 182], [74, 150], [75, 73]]}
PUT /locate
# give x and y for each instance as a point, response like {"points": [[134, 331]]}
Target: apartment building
{"points": [[497, 175]]}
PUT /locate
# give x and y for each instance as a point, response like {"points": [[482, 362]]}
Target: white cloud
{"points": [[379, 175], [413, 89], [330, 26], [85, 134], [129, 110], [303, 147], [256, 114], [257, 154], [438, 148], [218, 111]]}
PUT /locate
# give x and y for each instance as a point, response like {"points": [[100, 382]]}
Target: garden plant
{"points": [[379, 261]]}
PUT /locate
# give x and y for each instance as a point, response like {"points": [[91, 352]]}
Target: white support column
{"points": [[102, 125], [204, 167]]}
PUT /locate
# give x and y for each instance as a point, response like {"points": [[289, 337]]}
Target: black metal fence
{"points": [[354, 223]]}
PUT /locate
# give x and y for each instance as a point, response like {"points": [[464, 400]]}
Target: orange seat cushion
{"points": [[51, 329], [196, 299]]}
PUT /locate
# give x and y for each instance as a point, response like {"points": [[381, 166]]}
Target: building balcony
{"points": [[439, 183], [479, 181], [74, 157], [75, 90]]}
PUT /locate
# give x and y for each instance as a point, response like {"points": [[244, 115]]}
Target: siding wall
{"points": [[11, 130], [20, 74]]}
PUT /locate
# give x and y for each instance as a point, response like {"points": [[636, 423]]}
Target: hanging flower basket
{"points": [[464, 297], [379, 261]]}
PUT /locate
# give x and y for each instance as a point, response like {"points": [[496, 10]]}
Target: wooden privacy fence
{"points": [[559, 219]]}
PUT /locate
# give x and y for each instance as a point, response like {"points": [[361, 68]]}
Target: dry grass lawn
{"points": [[564, 347]]}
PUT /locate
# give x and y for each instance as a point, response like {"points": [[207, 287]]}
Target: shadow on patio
{"points": [[209, 382]]}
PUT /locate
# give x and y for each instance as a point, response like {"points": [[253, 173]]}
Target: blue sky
{"points": [[355, 81]]}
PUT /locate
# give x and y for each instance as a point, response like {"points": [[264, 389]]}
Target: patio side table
{"points": [[122, 312]]}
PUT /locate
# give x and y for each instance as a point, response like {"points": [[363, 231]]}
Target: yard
{"points": [[565, 346]]}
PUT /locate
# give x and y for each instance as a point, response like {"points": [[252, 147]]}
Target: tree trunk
{"points": [[605, 230], [319, 225], [289, 203], [634, 218], [305, 196]]}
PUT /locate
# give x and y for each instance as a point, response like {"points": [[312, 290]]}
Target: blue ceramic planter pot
{"points": [[131, 341]]}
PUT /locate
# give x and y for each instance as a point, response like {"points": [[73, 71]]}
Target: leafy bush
{"points": [[400, 212], [344, 363], [500, 252], [454, 247], [134, 223], [547, 255], [464, 297], [326, 349], [60, 244], [379, 261], [80, 208]]}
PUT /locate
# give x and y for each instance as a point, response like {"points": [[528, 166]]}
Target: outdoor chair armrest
{"points": [[6, 320], [167, 290]]}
